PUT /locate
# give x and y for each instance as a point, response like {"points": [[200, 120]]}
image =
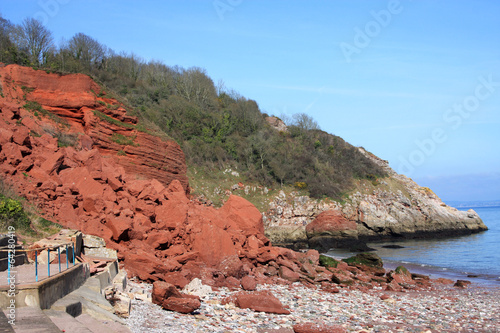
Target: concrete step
{"points": [[96, 326], [33, 320], [5, 327], [66, 322], [68, 304], [91, 309]]}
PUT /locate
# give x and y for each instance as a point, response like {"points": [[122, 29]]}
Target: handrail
{"points": [[38, 248], [10, 256]]}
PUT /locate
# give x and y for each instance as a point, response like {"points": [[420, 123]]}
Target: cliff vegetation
{"points": [[216, 127]]}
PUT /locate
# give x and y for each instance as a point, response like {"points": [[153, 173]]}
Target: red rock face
{"points": [[93, 120]]}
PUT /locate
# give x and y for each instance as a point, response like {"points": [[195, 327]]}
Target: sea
{"points": [[473, 257]]}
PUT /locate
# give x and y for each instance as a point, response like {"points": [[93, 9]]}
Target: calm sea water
{"points": [[475, 257]]}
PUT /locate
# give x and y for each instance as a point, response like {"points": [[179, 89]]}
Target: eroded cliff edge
{"points": [[394, 207]]}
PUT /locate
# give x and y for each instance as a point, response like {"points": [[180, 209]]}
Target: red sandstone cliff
{"points": [[137, 202], [81, 105]]}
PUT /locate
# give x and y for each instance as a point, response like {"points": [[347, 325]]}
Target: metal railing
{"points": [[11, 257]]}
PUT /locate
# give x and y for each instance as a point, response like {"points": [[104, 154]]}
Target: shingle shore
{"points": [[444, 308]]}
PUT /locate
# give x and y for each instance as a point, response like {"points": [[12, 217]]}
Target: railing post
{"points": [[8, 266], [59, 257], [73, 254], [36, 265], [48, 261], [67, 257]]}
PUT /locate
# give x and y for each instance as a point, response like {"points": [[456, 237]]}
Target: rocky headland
{"points": [[391, 208]]}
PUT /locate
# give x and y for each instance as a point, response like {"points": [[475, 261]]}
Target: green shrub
{"points": [[12, 214]]}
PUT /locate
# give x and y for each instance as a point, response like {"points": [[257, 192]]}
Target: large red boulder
{"points": [[331, 222], [400, 276], [261, 301], [245, 216], [167, 296], [331, 228], [212, 243]]}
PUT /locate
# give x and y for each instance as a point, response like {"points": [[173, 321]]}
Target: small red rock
{"points": [[248, 283]]}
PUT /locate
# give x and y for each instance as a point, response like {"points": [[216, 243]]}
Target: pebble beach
{"points": [[442, 308]]}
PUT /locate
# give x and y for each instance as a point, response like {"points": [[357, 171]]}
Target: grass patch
{"points": [[215, 185], [111, 120], [37, 109], [124, 140], [64, 139], [27, 89]]}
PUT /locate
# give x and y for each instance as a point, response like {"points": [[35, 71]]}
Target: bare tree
{"points": [[34, 38], [88, 51], [196, 86], [220, 87], [305, 122]]}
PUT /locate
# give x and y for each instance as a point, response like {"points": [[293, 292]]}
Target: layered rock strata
{"points": [[77, 111]]}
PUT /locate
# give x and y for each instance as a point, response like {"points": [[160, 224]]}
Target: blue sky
{"points": [[415, 82]]}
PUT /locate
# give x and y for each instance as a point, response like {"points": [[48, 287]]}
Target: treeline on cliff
{"points": [[216, 127]]}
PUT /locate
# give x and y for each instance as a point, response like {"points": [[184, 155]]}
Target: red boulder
{"points": [[168, 297], [261, 301]]}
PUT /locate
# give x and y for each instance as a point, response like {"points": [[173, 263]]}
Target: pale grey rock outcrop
{"points": [[395, 207]]}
